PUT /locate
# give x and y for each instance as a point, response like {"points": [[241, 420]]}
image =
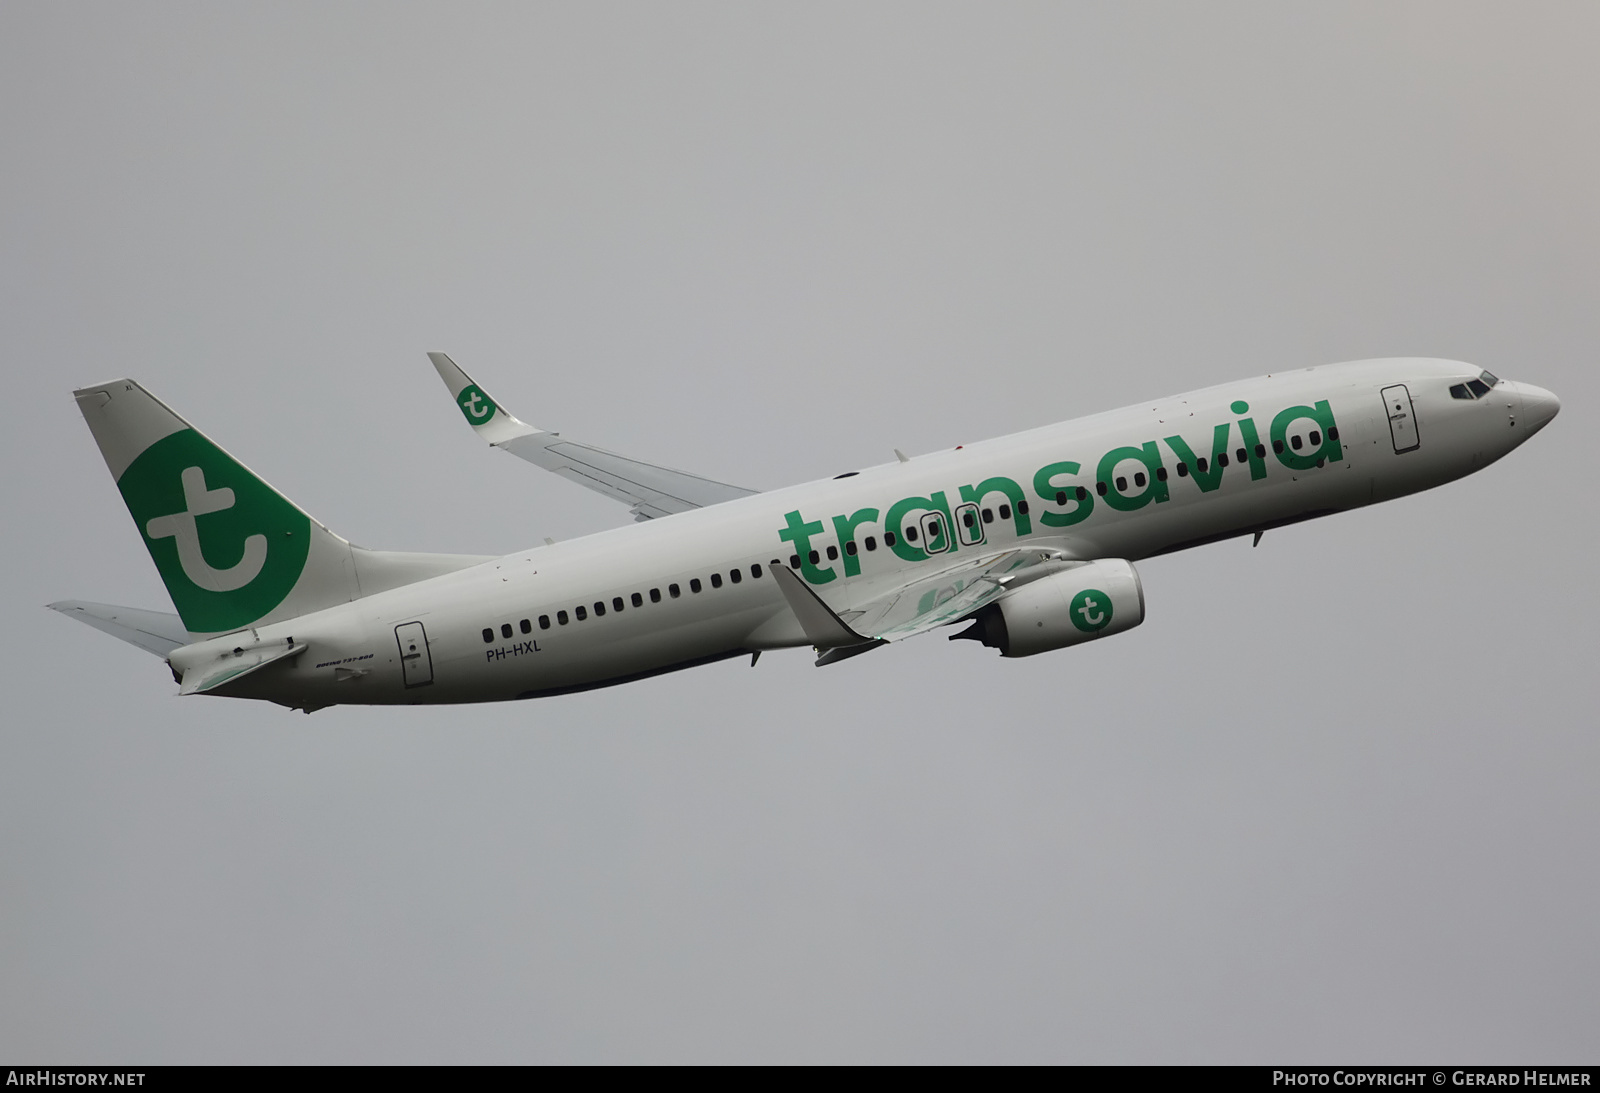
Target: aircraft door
{"points": [[969, 525], [416, 663], [1402, 419], [935, 536]]}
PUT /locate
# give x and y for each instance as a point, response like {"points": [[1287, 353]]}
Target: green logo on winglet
{"points": [[227, 545], [477, 407]]}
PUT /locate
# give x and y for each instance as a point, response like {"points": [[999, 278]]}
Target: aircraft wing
{"points": [[650, 490], [913, 607]]}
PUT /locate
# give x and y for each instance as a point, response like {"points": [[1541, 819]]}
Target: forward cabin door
{"points": [[1402, 419], [416, 663]]}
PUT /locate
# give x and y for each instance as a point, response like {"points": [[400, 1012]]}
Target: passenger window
{"points": [[735, 576], [1161, 474], [694, 584], [638, 600], [716, 580], [616, 602], [988, 516], [561, 617], [1138, 478], [1005, 512], [815, 557], [968, 520], [672, 590], [1277, 446], [1261, 451], [655, 595], [1083, 494], [1222, 459], [1295, 442], [1200, 466], [833, 553], [1316, 437], [1022, 507], [599, 608], [888, 538], [1061, 497], [850, 548], [1122, 483], [1100, 488], [544, 622], [488, 636], [1241, 455], [1183, 470], [505, 629], [527, 626], [1333, 433], [911, 534], [872, 544], [755, 571], [580, 613], [794, 561]]}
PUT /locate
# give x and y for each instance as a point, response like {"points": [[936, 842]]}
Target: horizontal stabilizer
{"points": [[158, 632], [236, 665], [650, 490]]}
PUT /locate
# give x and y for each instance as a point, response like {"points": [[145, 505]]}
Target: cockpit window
{"points": [[1489, 377], [1460, 391], [1478, 387]]}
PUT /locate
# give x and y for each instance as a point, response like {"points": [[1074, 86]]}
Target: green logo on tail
{"points": [[228, 546], [478, 407], [1091, 610]]}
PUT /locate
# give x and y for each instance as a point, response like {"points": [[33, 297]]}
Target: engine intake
{"points": [[1064, 608]]}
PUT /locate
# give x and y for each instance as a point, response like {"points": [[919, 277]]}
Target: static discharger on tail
{"points": [[1026, 542]]}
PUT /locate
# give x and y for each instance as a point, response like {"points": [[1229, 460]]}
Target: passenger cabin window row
{"points": [[618, 604]]}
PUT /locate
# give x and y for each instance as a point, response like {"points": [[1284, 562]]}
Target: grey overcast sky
{"points": [[1338, 799]]}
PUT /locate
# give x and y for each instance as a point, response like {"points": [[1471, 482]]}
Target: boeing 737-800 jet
{"points": [[1029, 540]]}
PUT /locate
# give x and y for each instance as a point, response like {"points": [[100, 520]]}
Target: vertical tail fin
{"points": [[233, 551]]}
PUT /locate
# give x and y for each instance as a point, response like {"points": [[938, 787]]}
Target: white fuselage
{"points": [[355, 653]]}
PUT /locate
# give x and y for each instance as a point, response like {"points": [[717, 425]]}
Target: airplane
{"points": [[1029, 540]]}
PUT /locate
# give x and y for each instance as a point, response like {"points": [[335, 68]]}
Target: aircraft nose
{"points": [[1539, 407]]}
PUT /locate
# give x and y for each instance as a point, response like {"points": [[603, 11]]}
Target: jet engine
{"points": [[1063, 608]]}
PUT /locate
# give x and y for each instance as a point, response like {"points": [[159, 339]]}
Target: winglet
{"points": [[488, 418], [822, 627]]}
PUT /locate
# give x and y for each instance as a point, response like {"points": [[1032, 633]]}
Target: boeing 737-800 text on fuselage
{"points": [[1029, 539]]}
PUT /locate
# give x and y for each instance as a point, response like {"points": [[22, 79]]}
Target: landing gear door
{"points": [[416, 663], [1402, 419]]}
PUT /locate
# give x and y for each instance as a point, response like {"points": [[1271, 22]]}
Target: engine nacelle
{"points": [[1064, 608]]}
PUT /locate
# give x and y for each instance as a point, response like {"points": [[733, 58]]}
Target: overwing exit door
{"points": [[1402, 419], [416, 663]]}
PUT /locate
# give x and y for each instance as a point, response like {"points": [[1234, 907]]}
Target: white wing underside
{"points": [[648, 490], [904, 610]]}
